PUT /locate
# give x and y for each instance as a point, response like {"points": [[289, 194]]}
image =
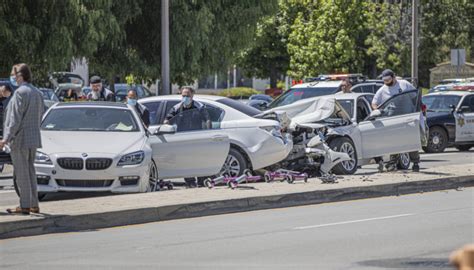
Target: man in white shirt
{"points": [[393, 87]]}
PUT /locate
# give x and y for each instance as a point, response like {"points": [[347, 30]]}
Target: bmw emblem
{"points": [[84, 155]]}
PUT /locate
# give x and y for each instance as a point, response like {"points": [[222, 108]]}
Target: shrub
{"points": [[239, 92]]}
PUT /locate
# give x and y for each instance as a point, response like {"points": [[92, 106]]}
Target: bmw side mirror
{"points": [[374, 114], [165, 129]]}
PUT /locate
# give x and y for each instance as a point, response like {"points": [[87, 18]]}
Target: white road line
{"points": [[349, 222], [443, 154], [7, 191]]}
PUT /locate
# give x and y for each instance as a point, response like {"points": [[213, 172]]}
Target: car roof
{"points": [[91, 104], [351, 95], [168, 97], [318, 84], [452, 93]]}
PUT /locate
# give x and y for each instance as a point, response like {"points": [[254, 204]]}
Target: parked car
{"points": [[255, 143], [367, 87], [450, 117], [442, 87], [107, 148], [49, 97], [357, 130], [304, 91], [259, 101], [121, 90]]}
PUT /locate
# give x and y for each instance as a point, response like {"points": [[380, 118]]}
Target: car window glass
{"points": [[400, 104], [362, 110], [169, 105], [348, 105], [441, 103], [296, 94], [216, 115], [90, 119], [192, 120], [153, 109], [468, 101]]}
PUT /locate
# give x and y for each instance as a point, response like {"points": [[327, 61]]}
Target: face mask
{"points": [[186, 101], [13, 81], [132, 101]]}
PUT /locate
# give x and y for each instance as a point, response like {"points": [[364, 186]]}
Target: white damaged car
{"points": [[355, 129], [255, 143], [105, 147]]}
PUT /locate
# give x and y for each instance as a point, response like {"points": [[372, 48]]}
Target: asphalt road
{"points": [[408, 232], [450, 156]]}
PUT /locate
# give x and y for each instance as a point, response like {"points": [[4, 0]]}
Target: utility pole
{"points": [[165, 47], [414, 41]]}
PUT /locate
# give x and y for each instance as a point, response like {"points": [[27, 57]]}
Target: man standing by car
{"points": [[393, 87], [142, 110], [346, 86], [194, 115], [22, 134], [99, 92]]}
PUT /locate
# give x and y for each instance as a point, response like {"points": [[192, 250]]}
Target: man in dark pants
{"points": [[142, 110], [189, 115], [22, 134], [392, 87]]}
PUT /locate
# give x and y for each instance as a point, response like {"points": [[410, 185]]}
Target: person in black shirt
{"points": [[188, 114]]}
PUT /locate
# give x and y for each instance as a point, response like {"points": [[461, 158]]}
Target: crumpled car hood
{"points": [[310, 110]]}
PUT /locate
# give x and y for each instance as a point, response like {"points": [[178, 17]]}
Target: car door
{"points": [[191, 151], [465, 120], [396, 130]]}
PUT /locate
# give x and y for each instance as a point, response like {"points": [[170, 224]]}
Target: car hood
{"points": [[310, 110], [55, 142]]}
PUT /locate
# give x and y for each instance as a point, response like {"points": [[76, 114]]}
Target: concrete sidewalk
{"points": [[110, 211]]}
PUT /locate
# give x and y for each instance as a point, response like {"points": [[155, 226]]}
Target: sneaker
{"points": [[416, 167]]}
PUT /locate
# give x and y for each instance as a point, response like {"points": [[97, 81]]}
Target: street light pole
{"points": [[414, 40], [165, 48]]}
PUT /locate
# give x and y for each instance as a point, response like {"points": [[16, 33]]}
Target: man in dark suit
{"points": [[22, 134]]}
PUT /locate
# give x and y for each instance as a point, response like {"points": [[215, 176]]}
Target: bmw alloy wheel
{"points": [[348, 149], [153, 178], [231, 166]]}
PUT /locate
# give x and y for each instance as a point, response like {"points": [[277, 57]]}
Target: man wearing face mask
{"points": [[196, 114], [189, 115], [142, 110], [393, 87]]}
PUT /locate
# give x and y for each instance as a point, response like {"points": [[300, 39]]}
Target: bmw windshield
{"points": [[440, 103], [296, 94], [90, 119]]}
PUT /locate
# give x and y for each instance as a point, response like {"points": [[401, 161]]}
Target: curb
{"points": [[66, 223]]}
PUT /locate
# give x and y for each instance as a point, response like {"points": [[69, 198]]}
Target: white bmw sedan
{"points": [[105, 147], [254, 143]]}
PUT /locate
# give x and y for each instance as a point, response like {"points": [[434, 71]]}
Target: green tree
{"points": [[267, 56], [48, 34]]}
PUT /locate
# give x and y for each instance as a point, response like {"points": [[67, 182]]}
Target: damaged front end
{"points": [[310, 122]]}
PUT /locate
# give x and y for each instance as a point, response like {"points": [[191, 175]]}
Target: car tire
{"points": [[403, 161], [437, 141], [343, 144], [41, 195], [463, 148], [235, 163], [153, 180]]}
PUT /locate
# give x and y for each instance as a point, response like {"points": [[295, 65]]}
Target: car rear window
{"points": [[239, 106], [296, 94]]}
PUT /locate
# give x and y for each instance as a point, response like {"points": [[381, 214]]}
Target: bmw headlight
{"points": [[132, 158], [42, 158]]}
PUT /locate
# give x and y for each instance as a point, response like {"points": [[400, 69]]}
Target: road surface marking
{"points": [[349, 222], [443, 154], [7, 191]]}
